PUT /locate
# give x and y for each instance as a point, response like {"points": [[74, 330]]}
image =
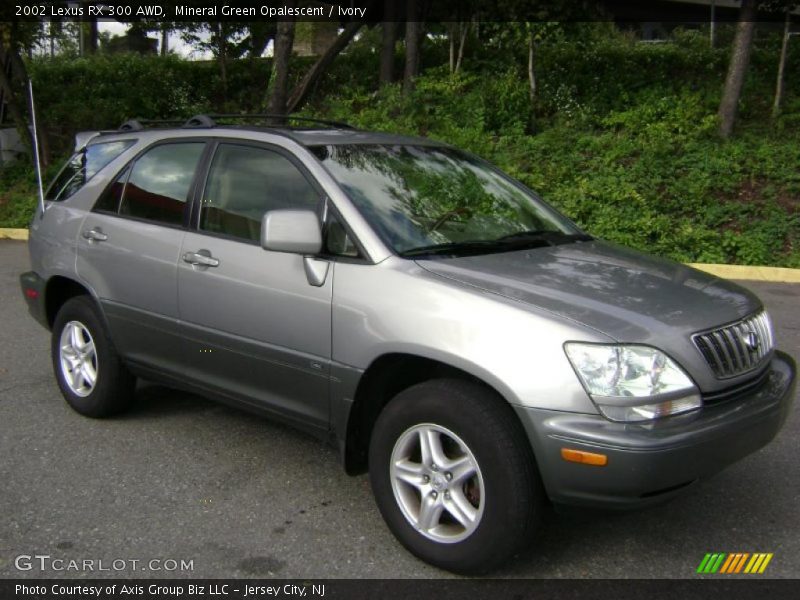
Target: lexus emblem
{"points": [[750, 339]]}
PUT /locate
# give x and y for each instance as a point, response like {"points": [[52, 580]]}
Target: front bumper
{"points": [[33, 291], [649, 463]]}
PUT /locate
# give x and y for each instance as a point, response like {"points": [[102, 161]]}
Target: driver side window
{"points": [[243, 183]]}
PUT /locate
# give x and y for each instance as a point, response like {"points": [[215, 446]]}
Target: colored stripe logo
{"points": [[735, 562]]}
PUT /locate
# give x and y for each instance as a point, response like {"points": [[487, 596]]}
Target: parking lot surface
{"points": [[180, 478]]}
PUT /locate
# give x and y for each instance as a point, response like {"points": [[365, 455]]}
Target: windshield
{"points": [[439, 200]]}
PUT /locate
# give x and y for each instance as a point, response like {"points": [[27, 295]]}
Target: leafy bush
{"points": [[18, 192], [621, 137], [636, 161]]}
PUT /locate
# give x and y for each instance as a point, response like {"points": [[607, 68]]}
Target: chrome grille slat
{"points": [[712, 346], [728, 350], [719, 336], [739, 358], [764, 331], [760, 331], [738, 332]]}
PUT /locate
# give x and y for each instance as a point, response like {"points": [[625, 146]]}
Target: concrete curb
{"points": [[13, 234], [774, 274]]}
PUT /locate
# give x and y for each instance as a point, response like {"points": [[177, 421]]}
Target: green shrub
{"points": [[622, 136]]}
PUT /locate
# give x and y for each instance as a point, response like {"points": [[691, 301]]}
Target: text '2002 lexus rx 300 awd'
{"points": [[435, 320]]}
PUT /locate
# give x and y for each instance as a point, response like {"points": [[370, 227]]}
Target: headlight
{"points": [[632, 383]]}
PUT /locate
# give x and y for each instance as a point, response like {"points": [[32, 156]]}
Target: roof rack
{"points": [[208, 121], [211, 120], [139, 124]]}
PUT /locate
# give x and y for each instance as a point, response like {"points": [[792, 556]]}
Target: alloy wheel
{"points": [[437, 483], [78, 358]]}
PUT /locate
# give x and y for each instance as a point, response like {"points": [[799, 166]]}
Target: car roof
{"points": [[303, 136]]}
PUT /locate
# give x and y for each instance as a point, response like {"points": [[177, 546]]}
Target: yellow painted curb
{"points": [[13, 234], [775, 274]]}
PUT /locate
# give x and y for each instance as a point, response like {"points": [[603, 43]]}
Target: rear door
{"points": [[129, 247], [257, 329]]}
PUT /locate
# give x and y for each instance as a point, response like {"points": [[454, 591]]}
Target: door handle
{"points": [[95, 235], [200, 259]]}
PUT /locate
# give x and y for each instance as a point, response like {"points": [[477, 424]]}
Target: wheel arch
{"points": [[388, 375], [58, 290]]}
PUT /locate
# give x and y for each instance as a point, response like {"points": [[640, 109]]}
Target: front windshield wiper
{"points": [[552, 237], [514, 241], [457, 248]]}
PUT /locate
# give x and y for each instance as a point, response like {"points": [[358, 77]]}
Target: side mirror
{"points": [[288, 230]]}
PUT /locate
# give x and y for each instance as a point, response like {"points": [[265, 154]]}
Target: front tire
{"points": [[454, 476], [89, 372]]}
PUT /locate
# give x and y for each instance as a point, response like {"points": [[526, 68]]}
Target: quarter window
{"points": [[337, 241], [109, 201], [83, 165], [158, 187], [243, 183]]}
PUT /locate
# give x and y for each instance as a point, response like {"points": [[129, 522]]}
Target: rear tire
{"points": [[481, 501], [89, 372]]}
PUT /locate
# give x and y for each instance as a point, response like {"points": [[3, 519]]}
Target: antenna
{"points": [[36, 149]]}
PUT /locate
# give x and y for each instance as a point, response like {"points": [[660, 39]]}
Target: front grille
{"points": [[737, 348]]}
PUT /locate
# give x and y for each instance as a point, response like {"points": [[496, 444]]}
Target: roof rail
{"points": [[139, 124], [200, 121], [211, 120]]}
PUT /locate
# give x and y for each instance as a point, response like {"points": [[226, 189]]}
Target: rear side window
{"points": [[83, 165], [158, 186]]}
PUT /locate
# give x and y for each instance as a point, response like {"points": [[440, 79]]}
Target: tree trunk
{"points": [[531, 70], [15, 94], [740, 59], [93, 36], [712, 30], [13, 103], [388, 42], [302, 89], [464, 29], [284, 40], [451, 42], [87, 32], [19, 71], [222, 56], [413, 39], [164, 40], [779, 86]]}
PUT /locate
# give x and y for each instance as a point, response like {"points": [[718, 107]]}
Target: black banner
{"points": [[452, 589], [374, 11]]}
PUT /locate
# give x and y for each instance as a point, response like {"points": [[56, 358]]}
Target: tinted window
{"points": [[109, 201], [83, 165], [337, 241], [417, 197], [245, 182], [158, 186]]}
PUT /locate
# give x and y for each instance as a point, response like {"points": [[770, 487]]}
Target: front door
{"points": [[256, 329]]}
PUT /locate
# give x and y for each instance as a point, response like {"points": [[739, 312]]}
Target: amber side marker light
{"points": [[586, 458]]}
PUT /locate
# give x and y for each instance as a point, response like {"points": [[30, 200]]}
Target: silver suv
{"points": [[431, 317]]}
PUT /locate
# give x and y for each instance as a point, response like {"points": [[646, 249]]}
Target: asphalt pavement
{"points": [[180, 478]]}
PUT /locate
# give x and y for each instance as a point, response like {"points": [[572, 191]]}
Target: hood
{"points": [[627, 295]]}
